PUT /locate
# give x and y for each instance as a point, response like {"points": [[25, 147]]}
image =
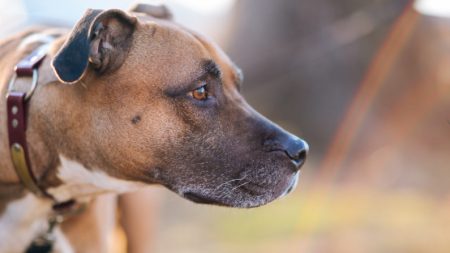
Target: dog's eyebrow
{"points": [[206, 68], [210, 67]]}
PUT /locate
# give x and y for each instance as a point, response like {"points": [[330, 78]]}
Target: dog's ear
{"points": [[157, 11], [100, 39]]}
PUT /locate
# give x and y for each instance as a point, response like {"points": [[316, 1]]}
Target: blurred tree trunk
{"points": [[304, 59]]}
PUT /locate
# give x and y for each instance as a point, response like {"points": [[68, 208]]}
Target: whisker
{"points": [[237, 187], [227, 182]]}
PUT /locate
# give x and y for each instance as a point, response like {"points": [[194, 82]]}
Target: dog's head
{"points": [[151, 101]]}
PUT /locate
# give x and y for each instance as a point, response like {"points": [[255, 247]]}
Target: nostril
{"points": [[297, 159], [300, 158], [295, 148], [302, 155], [297, 152]]}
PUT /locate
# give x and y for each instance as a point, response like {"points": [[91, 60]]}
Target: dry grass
{"points": [[343, 220], [347, 220]]}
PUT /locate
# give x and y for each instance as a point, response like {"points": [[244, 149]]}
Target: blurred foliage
{"points": [[347, 220]]}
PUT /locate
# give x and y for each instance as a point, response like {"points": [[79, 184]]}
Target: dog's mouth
{"points": [[292, 185], [201, 199], [211, 200]]}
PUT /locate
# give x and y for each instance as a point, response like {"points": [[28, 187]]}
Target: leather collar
{"points": [[17, 118], [16, 103]]}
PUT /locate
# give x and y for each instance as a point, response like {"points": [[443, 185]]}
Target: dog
{"points": [[128, 99]]}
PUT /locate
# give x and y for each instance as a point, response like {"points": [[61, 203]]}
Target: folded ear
{"points": [[157, 11], [100, 39]]}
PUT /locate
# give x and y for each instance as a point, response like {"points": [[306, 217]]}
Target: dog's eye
{"points": [[200, 93]]}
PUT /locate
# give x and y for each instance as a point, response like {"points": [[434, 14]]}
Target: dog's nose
{"points": [[296, 149]]}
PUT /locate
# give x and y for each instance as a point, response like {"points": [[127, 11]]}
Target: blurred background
{"points": [[366, 83]]}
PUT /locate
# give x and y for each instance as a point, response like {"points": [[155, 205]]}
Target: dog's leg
{"points": [[139, 212], [91, 230]]}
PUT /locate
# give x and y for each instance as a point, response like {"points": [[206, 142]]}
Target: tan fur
{"points": [[74, 106], [129, 119]]}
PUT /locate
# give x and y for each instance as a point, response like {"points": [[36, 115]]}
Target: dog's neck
{"points": [[61, 176], [42, 159]]}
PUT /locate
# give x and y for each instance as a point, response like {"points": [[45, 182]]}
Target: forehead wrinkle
{"points": [[170, 56]]}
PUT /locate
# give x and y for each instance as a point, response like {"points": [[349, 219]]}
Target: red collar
{"points": [[16, 103], [17, 116]]}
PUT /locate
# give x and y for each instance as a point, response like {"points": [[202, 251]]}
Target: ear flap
{"points": [[99, 38], [157, 11], [71, 61]]}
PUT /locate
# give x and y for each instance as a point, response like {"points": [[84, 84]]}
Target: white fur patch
{"points": [[61, 243], [23, 220], [79, 182]]}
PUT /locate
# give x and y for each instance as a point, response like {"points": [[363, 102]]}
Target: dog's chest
{"points": [[25, 218], [81, 183], [22, 220]]}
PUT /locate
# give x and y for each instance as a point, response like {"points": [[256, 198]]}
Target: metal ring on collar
{"points": [[34, 82]]}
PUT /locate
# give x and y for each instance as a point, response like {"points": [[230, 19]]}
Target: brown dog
{"points": [[129, 99]]}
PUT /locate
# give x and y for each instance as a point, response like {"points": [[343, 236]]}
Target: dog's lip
{"points": [[292, 185], [201, 199]]}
